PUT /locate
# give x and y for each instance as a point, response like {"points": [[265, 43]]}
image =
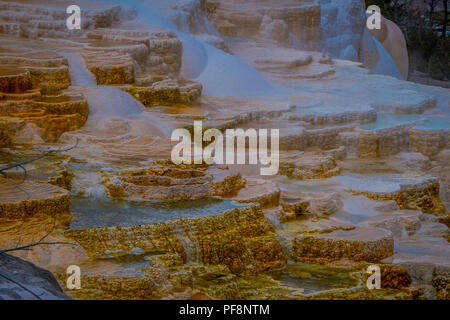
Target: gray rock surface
{"points": [[26, 281]]}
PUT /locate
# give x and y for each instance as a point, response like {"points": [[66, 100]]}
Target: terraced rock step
{"points": [[359, 244], [414, 193], [241, 238], [55, 173], [35, 199], [312, 164], [155, 51], [110, 67], [27, 69], [366, 142], [284, 65], [32, 20], [14, 80], [172, 183], [310, 204], [106, 280], [31, 103], [264, 21], [153, 276], [52, 117], [264, 192], [167, 93]]}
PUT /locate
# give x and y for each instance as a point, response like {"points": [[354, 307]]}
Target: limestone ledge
{"points": [[110, 67], [157, 280], [53, 117], [36, 199], [443, 172], [170, 184], [241, 239], [33, 20], [423, 196], [312, 164], [32, 106], [154, 51], [369, 143], [387, 142], [51, 79], [363, 116], [359, 244], [55, 173], [197, 281], [167, 93], [429, 142], [264, 192], [47, 79], [13, 82], [323, 138], [23, 70], [310, 204], [257, 21]]}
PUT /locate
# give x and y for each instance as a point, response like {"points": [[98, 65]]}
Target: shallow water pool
{"points": [[96, 213]]}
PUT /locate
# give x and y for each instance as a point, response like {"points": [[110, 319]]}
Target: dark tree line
{"points": [[424, 24]]}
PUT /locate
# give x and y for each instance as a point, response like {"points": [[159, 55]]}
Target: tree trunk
{"points": [[431, 13], [444, 27]]}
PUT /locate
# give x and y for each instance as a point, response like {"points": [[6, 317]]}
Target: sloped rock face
{"points": [[38, 209], [392, 39], [241, 239], [40, 284]]}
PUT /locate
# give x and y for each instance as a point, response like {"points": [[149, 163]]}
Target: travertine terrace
{"points": [[364, 155]]}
